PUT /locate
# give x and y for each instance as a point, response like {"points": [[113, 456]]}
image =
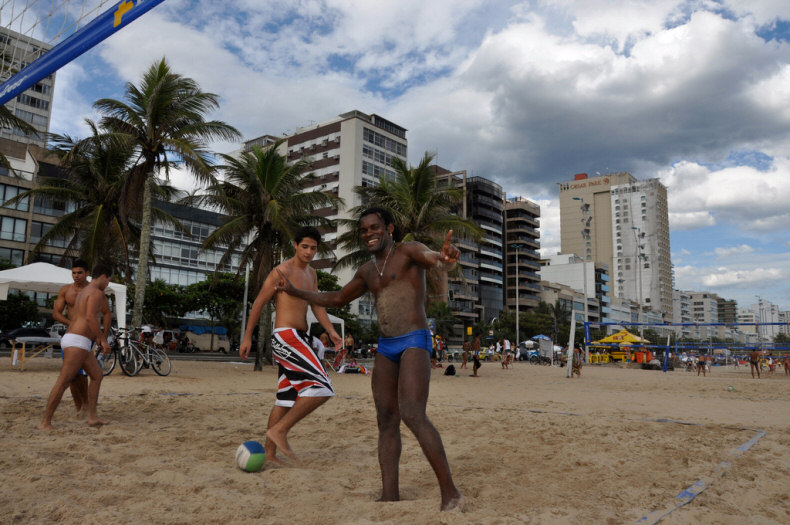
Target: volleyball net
{"points": [[714, 339], [38, 37]]}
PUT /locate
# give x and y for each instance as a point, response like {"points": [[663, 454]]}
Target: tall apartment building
{"points": [[522, 242], [642, 268], [681, 312], [784, 317], [353, 149], [623, 223], [766, 312], [34, 105], [704, 309], [728, 309], [596, 193], [463, 288], [485, 202]]}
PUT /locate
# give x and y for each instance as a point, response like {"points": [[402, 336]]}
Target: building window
{"points": [[39, 229], [15, 257], [9, 192], [33, 102], [12, 229]]}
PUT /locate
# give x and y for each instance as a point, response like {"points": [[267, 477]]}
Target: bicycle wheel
{"points": [[160, 362], [107, 361], [131, 360]]}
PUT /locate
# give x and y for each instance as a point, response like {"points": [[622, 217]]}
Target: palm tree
{"points": [[97, 229], [9, 120], [265, 201], [163, 117], [421, 211]]}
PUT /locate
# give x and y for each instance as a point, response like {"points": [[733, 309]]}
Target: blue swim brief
{"points": [[393, 347]]}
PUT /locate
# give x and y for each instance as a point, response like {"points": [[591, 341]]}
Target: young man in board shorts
{"points": [[402, 368], [77, 346], [303, 383]]}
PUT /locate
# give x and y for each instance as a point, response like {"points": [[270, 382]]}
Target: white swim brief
{"points": [[76, 340]]}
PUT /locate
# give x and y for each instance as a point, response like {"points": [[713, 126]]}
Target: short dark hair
{"points": [[307, 231], [384, 214], [79, 263], [101, 269]]}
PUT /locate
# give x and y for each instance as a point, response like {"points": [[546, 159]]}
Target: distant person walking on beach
{"points": [[303, 383], [402, 370], [475, 355], [754, 363], [77, 345], [701, 365], [464, 353], [787, 365], [576, 361]]}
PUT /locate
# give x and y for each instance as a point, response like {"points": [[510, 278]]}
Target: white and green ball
{"points": [[250, 456]]}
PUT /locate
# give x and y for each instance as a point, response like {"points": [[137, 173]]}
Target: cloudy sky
{"points": [[695, 93]]}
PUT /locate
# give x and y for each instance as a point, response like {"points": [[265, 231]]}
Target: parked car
{"points": [[7, 337]]}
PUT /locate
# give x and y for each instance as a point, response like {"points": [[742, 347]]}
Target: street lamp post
{"points": [[638, 236], [517, 247], [586, 219]]}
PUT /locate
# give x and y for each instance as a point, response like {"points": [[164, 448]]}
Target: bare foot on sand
{"points": [[97, 422], [280, 442], [45, 426], [458, 504]]}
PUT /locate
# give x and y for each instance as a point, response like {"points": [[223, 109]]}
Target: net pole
{"points": [[109, 22], [571, 342]]}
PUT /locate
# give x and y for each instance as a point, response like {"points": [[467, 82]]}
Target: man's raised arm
{"points": [[354, 289], [427, 258]]}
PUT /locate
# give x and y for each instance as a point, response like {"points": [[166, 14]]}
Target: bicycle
{"points": [[128, 359], [147, 355]]}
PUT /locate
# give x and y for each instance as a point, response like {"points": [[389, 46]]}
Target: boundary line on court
{"points": [[689, 493]]}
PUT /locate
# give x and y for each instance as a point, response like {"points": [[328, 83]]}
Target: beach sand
{"points": [[525, 445]]}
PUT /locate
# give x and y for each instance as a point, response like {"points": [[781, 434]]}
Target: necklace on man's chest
{"points": [[383, 266]]}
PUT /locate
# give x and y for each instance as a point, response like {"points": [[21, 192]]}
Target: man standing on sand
{"points": [[464, 353], [303, 382], [77, 344], [701, 365], [65, 303], [402, 368], [754, 363]]}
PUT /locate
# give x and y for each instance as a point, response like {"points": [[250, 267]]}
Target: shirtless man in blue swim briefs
{"points": [[303, 384], [77, 342], [402, 368]]}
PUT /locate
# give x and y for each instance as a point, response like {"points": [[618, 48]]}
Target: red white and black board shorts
{"points": [[301, 373]]}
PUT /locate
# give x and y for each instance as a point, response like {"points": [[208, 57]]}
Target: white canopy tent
{"points": [[45, 277]]}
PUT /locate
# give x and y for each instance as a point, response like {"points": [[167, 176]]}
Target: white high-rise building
{"points": [[642, 270], [624, 223], [34, 105], [353, 149]]}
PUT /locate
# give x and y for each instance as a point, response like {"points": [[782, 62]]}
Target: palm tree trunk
{"points": [[145, 247]]}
